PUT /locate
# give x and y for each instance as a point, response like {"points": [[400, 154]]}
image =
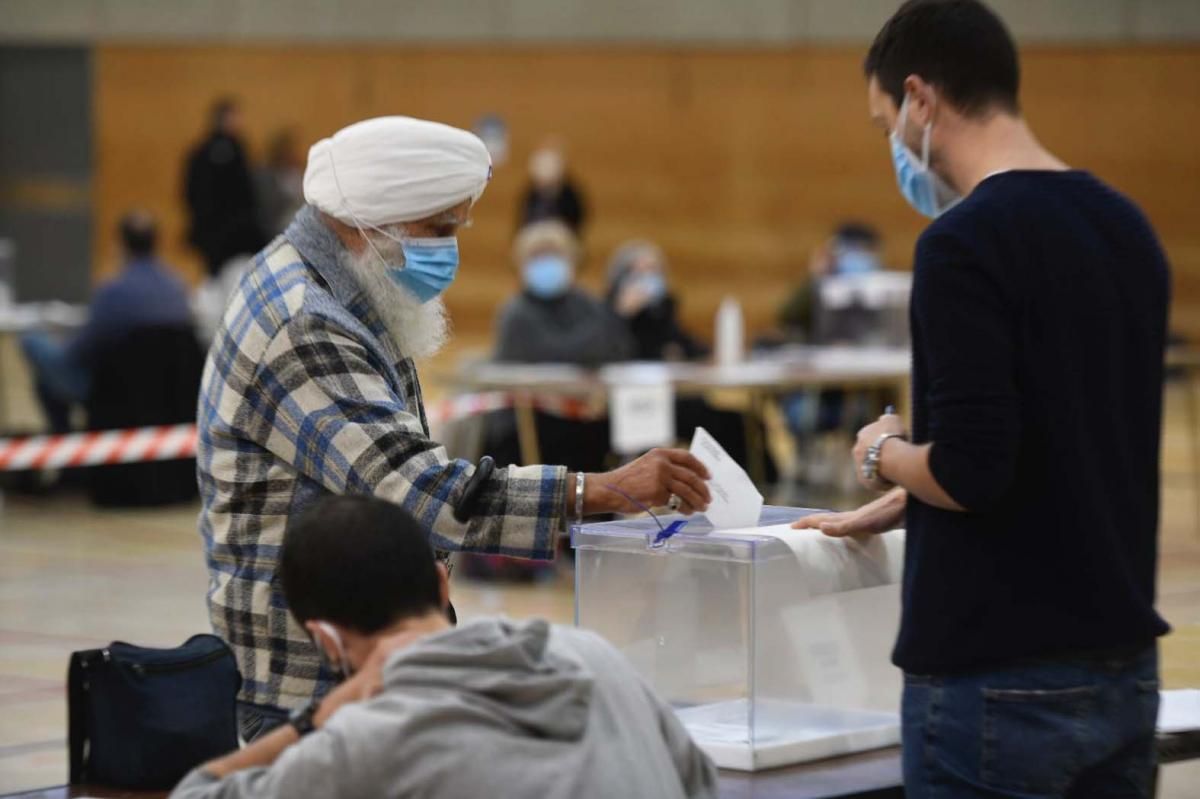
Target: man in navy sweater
{"points": [[1030, 481]]}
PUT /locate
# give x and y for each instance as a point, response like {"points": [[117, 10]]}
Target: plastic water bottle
{"points": [[730, 333]]}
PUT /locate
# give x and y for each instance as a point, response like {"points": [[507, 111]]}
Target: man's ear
{"points": [[322, 639], [922, 100], [443, 585]]}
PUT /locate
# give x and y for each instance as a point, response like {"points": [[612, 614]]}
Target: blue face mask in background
{"points": [[856, 261], [429, 266], [547, 276], [920, 185], [653, 284]]}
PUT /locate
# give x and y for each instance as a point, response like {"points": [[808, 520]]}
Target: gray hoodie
{"points": [[494, 708]]}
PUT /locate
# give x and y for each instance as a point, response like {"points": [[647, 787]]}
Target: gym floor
{"points": [[74, 577]]}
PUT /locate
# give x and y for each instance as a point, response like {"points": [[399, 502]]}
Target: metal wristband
{"points": [[870, 466], [579, 485]]}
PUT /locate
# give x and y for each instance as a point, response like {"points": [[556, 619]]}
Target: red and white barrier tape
{"points": [[170, 442], [101, 447], [465, 405]]}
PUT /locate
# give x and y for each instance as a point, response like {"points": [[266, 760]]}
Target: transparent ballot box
{"points": [[771, 644]]}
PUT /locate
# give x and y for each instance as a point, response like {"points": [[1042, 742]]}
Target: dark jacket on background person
{"points": [[219, 192], [145, 294], [564, 204], [657, 334], [575, 328]]}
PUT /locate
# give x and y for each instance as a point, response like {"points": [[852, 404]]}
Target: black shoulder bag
{"points": [[143, 718]]}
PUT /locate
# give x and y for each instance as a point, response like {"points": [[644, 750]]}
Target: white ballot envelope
{"points": [[735, 499]]}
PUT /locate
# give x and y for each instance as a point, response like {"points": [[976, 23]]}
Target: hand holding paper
{"points": [[735, 500]]}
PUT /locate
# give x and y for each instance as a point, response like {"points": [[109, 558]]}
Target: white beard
{"points": [[419, 330]]}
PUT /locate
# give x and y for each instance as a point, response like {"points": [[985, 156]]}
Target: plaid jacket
{"points": [[304, 395]]}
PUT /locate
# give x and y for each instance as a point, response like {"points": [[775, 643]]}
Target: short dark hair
{"points": [[959, 46], [358, 562], [139, 233], [858, 233]]}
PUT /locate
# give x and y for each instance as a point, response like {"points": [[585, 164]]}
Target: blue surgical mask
{"points": [[653, 284], [429, 266], [547, 276], [920, 185], [856, 261]]}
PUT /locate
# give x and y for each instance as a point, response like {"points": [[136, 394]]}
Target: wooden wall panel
{"points": [[737, 161]]}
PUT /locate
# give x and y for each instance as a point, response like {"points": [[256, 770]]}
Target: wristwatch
{"points": [[302, 719], [870, 465]]}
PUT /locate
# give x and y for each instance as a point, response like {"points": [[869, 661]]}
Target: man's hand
{"points": [[650, 480], [888, 423], [885, 513], [631, 299], [367, 681]]}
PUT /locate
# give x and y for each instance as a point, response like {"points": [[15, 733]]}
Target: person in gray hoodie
{"points": [[491, 708]]}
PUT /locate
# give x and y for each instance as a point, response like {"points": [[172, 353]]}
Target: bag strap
{"points": [[77, 721]]}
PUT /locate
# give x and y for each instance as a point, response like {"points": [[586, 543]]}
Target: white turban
{"points": [[395, 169]]}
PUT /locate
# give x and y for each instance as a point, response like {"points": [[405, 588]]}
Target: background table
{"points": [[783, 371], [870, 775]]}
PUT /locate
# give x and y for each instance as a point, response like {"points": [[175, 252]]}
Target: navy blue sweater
{"points": [[1039, 315]]}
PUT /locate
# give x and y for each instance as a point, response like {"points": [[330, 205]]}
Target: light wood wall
{"points": [[738, 162]]}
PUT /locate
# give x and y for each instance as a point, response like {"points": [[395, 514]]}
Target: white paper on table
{"points": [[1179, 711], [735, 499], [643, 416]]}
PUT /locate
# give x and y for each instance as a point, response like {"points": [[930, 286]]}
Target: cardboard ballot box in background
{"points": [[772, 644]]}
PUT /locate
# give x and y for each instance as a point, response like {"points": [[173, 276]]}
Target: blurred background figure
{"points": [[279, 183], [145, 294], [219, 192], [855, 248], [848, 299], [552, 194], [638, 293], [553, 320]]}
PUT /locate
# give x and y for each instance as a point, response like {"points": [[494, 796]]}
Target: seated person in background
{"points": [[855, 249], [637, 292], [552, 320], [146, 293], [490, 708]]}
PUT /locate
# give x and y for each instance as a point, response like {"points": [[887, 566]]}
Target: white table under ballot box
{"points": [[772, 644]]}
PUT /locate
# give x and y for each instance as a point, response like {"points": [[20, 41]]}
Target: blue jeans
{"points": [[255, 721], [60, 383], [1076, 728]]}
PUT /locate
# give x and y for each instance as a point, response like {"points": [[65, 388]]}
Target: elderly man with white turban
{"points": [[310, 389]]}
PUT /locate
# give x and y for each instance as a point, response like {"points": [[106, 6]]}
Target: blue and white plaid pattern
{"points": [[304, 395]]}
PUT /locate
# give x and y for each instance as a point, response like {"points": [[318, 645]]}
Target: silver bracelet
{"points": [[579, 483]]}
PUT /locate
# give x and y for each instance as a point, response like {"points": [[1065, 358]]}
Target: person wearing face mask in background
{"points": [[854, 249], [311, 388], [552, 320], [1029, 483], [638, 293]]}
